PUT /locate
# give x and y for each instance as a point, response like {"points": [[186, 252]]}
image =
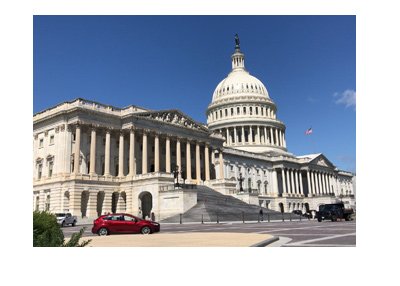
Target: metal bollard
{"points": [[290, 216], [202, 221], [268, 217], [217, 218], [283, 218], [180, 218], [243, 216]]}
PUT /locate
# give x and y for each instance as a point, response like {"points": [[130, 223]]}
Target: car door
{"points": [[114, 224], [131, 224]]}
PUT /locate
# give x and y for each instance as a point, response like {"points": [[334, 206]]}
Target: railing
{"points": [[243, 217]]}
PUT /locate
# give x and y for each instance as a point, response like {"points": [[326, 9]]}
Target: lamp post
{"points": [[176, 176], [240, 179]]}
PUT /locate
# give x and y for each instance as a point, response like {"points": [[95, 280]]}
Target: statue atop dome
{"points": [[237, 42]]}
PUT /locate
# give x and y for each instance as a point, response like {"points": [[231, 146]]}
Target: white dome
{"points": [[239, 82]]}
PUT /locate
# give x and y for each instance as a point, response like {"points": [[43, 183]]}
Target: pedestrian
{"points": [[262, 215]]}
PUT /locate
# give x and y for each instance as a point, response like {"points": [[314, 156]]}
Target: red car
{"points": [[123, 223]]}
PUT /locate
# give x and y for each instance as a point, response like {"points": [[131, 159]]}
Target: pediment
{"points": [[321, 160], [174, 117]]}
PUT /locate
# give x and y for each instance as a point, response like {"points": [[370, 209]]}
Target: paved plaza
{"points": [[291, 234]]}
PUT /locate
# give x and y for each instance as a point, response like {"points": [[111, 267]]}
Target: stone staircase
{"points": [[212, 206]]}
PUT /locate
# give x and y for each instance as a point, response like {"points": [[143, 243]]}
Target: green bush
{"points": [[47, 232]]}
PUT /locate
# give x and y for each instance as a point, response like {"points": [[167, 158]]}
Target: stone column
{"points": [[277, 137], [292, 181], [221, 165], [266, 139], [283, 181], [301, 183], [132, 163], [207, 163], [323, 183], [309, 183], [92, 170], [107, 154], [289, 188], [178, 154], [144, 153], [271, 136], [235, 134], [320, 183], [188, 162], [258, 135], [167, 155], [250, 134], [312, 191], [156, 153], [77, 149], [296, 179], [243, 141], [198, 171], [281, 137], [284, 140], [227, 137], [121, 155]]}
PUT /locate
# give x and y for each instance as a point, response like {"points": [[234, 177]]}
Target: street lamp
{"points": [[176, 175], [240, 179]]}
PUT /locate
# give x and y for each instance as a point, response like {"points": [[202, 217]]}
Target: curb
{"points": [[266, 242]]}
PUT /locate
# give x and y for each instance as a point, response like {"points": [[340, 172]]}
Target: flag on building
{"points": [[309, 131]]}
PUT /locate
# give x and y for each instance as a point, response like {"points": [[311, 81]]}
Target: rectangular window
{"points": [[40, 171], [41, 143], [51, 168], [52, 140]]}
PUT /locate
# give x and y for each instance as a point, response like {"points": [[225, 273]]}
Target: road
{"points": [[292, 234]]}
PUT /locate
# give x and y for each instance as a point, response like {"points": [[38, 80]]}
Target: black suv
{"points": [[334, 212]]}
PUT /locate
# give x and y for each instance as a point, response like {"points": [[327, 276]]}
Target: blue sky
{"points": [[307, 63]]}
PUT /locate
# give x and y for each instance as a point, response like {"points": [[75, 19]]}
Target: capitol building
{"points": [[91, 158]]}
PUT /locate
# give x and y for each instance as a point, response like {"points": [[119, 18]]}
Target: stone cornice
{"points": [[246, 121], [240, 99]]}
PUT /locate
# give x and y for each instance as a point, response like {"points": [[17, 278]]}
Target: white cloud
{"points": [[348, 98]]}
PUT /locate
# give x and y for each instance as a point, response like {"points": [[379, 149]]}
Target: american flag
{"points": [[309, 131]]}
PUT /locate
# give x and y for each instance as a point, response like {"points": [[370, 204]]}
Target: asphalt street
{"points": [[292, 234]]}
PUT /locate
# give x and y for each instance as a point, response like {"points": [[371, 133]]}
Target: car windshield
{"points": [[60, 214]]}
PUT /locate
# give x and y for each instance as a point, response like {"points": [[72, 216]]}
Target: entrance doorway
{"points": [[146, 204]]}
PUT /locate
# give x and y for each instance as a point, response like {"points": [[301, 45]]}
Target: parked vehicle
{"points": [[297, 212], [334, 212], [123, 223], [66, 218]]}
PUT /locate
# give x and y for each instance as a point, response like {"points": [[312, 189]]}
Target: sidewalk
{"points": [[203, 239]]}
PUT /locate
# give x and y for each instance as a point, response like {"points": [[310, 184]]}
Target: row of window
{"points": [[249, 110], [51, 141], [244, 87]]}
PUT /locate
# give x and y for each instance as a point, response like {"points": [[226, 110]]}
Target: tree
{"points": [[47, 232]]}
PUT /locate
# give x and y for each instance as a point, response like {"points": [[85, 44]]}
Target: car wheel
{"points": [[334, 218], [74, 223], [63, 224], [145, 230], [103, 231], [319, 219]]}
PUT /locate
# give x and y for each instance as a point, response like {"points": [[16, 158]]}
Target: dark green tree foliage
{"points": [[47, 232]]}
